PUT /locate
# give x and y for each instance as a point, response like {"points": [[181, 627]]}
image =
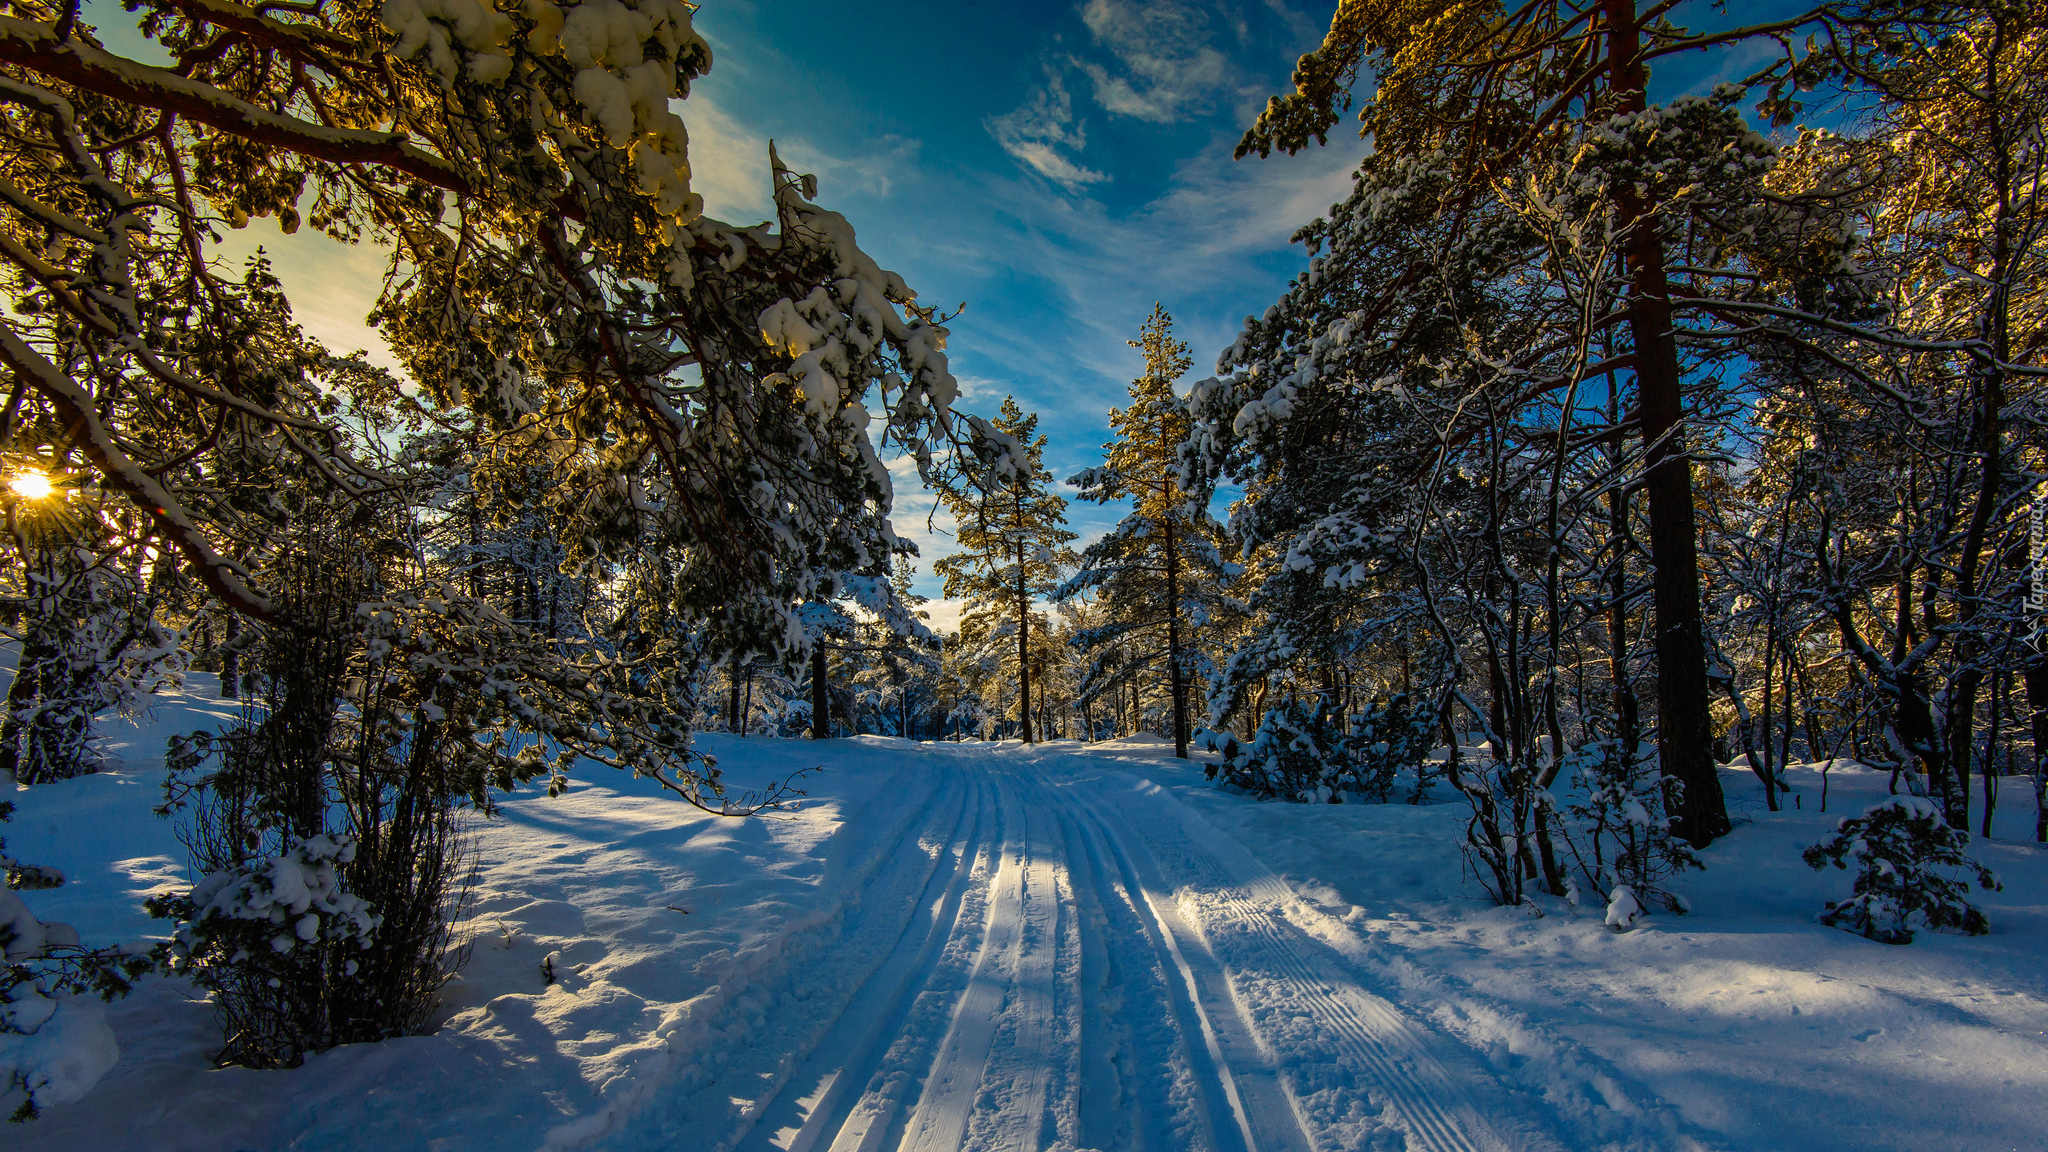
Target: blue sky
{"points": [[1057, 166]]}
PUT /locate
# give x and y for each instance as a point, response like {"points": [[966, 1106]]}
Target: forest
{"points": [[1605, 440]]}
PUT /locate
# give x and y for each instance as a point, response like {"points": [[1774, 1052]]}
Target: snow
{"points": [[1080, 946], [299, 893], [57, 1050]]}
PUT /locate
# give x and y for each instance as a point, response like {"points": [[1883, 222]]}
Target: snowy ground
{"points": [[988, 946]]}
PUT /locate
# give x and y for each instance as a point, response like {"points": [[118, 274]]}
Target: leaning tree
{"points": [[690, 389]]}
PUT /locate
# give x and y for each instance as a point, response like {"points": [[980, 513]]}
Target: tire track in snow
{"points": [[1003, 1023], [1244, 1105], [816, 1100], [1009, 1044], [1337, 1037], [877, 1117], [1071, 964], [1138, 1085], [744, 1036]]}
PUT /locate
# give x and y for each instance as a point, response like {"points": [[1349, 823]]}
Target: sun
{"points": [[30, 485]]}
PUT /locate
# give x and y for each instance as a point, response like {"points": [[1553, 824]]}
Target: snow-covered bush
{"points": [[326, 827], [1386, 739], [1298, 753], [1504, 798], [276, 904], [85, 618], [1620, 832], [1905, 856], [54, 1041], [279, 943], [1284, 761]]}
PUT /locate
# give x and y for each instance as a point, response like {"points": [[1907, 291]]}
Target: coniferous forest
{"points": [[1507, 699]]}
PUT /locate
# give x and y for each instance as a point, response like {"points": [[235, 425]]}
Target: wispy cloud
{"points": [[1041, 131], [1216, 231], [729, 162], [1163, 63]]}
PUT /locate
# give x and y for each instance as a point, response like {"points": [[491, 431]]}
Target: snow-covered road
{"points": [[1076, 946], [1042, 952]]}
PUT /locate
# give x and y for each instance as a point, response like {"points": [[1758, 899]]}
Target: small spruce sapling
{"points": [[1386, 739], [1288, 760], [1904, 852], [1283, 761], [1624, 846]]}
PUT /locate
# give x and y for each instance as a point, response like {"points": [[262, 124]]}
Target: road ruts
{"points": [[1070, 959]]}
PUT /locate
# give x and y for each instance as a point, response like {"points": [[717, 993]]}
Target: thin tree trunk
{"points": [[1785, 744], [1627, 721], [2037, 719], [21, 697], [1023, 647], [1767, 769], [821, 695], [231, 660], [1998, 693], [1177, 674]]}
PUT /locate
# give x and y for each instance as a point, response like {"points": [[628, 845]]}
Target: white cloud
{"points": [[1165, 63], [1041, 130], [943, 616], [331, 285], [1218, 224]]}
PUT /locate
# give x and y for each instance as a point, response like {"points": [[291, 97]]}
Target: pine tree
{"points": [[1013, 541], [1163, 555], [1473, 91], [653, 381]]}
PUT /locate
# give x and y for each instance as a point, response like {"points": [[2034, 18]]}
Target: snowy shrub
{"points": [[89, 639], [326, 827], [1386, 739], [1503, 796], [54, 1042], [1297, 755], [1905, 854], [276, 904], [279, 944], [1620, 832], [1284, 761]]}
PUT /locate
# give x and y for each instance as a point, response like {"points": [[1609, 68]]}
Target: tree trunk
{"points": [[1023, 647], [1685, 728], [821, 695], [2037, 717], [1627, 721], [1177, 671], [21, 697], [231, 660], [1999, 690]]}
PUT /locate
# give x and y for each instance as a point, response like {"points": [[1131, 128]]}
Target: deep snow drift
{"points": [[1068, 946]]}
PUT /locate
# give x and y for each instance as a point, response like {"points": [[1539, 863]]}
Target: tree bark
{"points": [[1685, 728], [1023, 646], [821, 695], [2037, 718], [1176, 673]]}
